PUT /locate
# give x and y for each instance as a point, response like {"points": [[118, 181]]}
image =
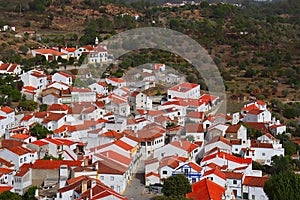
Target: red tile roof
{"points": [[20, 136], [26, 118], [64, 74], [5, 170], [39, 143], [23, 170], [226, 156], [53, 117], [195, 166], [233, 175], [233, 128], [183, 87], [152, 174], [216, 172], [20, 150], [49, 51], [198, 115], [58, 107], [255, 181], [186, 145], [258, 126], [54, 164], [123, 145], [194, 128], [207, 98], [54, 141], [6, 163], [5, 188], [250, 107], [254, 112], [219, 139], [7, 109], [66, 141], [116, 157], [206, 190], [117, 80]]}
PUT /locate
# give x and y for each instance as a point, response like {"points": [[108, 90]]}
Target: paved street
{"points": [[135, 188]]}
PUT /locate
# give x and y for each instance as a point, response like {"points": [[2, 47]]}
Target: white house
{"points": [[179, 148], [237, 131], [258, 116], [139, 100], [116, 82], [218, 142], [98, 55], [34, 78], [82, 95], [191, 170], [159, 67], [184, 90], [9, 119], [223, 158], [8, 68], [216, 176], [23, 179], [18, 155], [62, 77], [196, 131], [253, 188], [263, 152], [49, 54], [277, 128], [234, 181], [99, 88], [84, 50], [54, 120]]}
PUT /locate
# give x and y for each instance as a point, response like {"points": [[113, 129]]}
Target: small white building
{"points": [[184, 90], [98, 55], [99, 88], [62, 77], [253, 187], [18, 155], [116, 82], [34, 78]]}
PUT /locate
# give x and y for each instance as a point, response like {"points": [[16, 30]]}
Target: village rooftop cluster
{"points": [[103, 133]]}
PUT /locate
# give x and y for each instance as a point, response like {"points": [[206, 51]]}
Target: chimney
{"points": [[93, 184], [97, 165], [83, 186], [86, 162]]}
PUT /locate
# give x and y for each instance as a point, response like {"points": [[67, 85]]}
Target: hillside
{"points": [[263, 63]]}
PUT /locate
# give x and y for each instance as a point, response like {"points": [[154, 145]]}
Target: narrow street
{"points": [[136, 187]]}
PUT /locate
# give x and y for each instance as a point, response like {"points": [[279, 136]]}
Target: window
{"points": [[234, 182], [101, 177], [193, 180], [263, 154], [165, 172], [112, 187], [112, 178], [186, 171], [253, 197], [236, 149]]}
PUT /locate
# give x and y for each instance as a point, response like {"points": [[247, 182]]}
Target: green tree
{"points": [[7, 195], [177, 185], [29, 194], [283, 186], [39, 131], [280, 164]]}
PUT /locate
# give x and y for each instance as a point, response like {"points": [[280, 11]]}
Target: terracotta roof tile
{"points": [[54, 164], [206, 190], [255, 181]]}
